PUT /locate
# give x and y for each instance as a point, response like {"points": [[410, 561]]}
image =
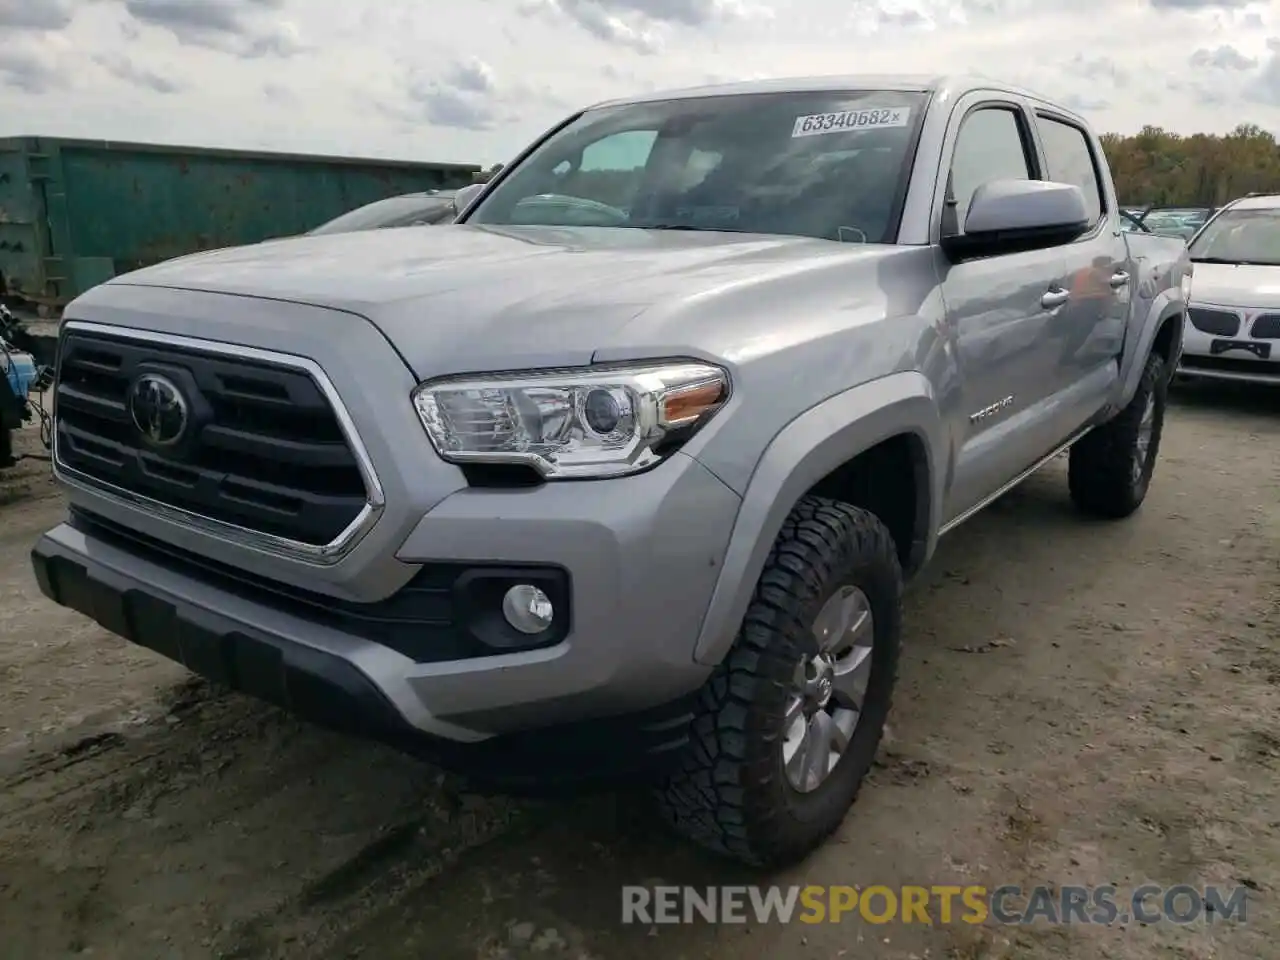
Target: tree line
{"points": [[1157, 167]]}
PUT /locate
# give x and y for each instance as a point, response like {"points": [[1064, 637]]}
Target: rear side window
{"points": [[1069, 159], [988, 147]]}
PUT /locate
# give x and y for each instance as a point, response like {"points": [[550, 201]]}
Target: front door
{"points": [[1001, 312]]}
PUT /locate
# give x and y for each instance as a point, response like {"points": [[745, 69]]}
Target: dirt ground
{"points": [[1080, 703]]}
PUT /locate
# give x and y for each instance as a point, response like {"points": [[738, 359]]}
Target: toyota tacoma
{"points": [[622, 473]]}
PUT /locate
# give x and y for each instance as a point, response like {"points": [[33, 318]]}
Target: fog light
{"points": [[527, 608]]}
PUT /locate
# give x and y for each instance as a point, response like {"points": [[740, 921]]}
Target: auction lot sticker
{"points": [[845, 121]]}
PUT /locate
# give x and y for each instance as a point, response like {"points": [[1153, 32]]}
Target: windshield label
{"points": [[843, 122]]}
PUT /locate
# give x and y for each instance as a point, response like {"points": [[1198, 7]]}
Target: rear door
{"points": [[1089, 330]]}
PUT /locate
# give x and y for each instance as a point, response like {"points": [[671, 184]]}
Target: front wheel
{"points": [[1110, 467], [789, 723]]}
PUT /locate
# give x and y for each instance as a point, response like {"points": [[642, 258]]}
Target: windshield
{"points": [[392, 212], [1240, 236], [830, 165]]}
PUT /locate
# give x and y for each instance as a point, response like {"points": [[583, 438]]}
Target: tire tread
{"points": [[1099, 473], [706, 800]]}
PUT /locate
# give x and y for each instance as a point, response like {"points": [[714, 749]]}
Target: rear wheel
{"points": [[1110, 467], [789, 723]]}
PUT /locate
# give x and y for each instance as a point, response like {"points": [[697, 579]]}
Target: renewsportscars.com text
{"points": [[934, 905]]}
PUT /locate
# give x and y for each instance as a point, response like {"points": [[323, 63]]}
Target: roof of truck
{"points": [[921, 83], [1266, 201]]}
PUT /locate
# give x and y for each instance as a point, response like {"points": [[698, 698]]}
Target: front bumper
{"points": [[1208, 325], [641, 554], [314, 681], [150, 605]]}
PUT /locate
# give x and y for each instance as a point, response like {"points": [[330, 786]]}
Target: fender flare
{"points": [[1136, 360], [802, 453]]}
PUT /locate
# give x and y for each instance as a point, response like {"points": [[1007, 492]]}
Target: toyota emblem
{"points": [[159, 409]]}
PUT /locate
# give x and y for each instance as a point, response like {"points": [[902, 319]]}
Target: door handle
{"points": [[1119, 279], [1055, 298]]}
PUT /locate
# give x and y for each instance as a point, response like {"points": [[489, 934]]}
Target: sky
{"points": [[475, 81]]}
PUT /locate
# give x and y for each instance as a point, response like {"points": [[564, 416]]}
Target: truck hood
{"points": [[457, 298], [1244, 286]]}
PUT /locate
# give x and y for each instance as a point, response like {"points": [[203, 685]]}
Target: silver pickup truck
{"points": [[623, 473]]}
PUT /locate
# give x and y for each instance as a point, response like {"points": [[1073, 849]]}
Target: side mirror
{"points": [[1007, 216], [465, 197]]}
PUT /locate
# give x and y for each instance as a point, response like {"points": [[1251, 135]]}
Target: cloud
{"points": [[123, 69], [887, 16], [35, 14], [279, 93], [1082, 103], [1225, 57], [196, 21], [641, 25], [452, 108], [903, 18], [689, 13], [597, 20], [465, 96], [1097, 68], [1265, 87], [471, 76], [476, 81], [1200, 4], [30, 72], [248, 28]]}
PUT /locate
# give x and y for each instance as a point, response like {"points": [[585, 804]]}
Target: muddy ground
{"points": [[1081, 702]]}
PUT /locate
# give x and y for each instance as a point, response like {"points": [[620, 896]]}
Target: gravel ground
{"points": [[1080, 702]]}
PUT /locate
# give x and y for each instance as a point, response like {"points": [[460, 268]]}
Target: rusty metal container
{"points": [[74, 213]]}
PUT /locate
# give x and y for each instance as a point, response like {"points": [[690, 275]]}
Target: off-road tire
{"points": [[730, 793], [1100, 468]]}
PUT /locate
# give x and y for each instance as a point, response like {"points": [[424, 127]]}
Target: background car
{"points": [[407, 210], [1233, 320], [1165, 221]]}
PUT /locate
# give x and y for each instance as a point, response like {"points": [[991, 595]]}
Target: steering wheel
{"points": [[593, 207]]}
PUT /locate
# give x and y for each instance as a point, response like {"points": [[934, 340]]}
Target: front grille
{"points": [[1219, 323], [1266, 326], [264, 449]]}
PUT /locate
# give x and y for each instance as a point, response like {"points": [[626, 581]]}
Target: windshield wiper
{"points": [[1223, 260]]}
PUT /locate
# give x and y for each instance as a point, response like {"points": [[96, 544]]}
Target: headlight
{"points": [[581, 423]]}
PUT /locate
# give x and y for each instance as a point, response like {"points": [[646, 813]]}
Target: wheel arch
{"points": [[1163, 334], [888, 427], [1168, 339]]}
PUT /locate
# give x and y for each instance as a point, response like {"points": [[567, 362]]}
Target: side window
{"points": [[611, 168], [989, 147], [622, 151], [1070, 160]]}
